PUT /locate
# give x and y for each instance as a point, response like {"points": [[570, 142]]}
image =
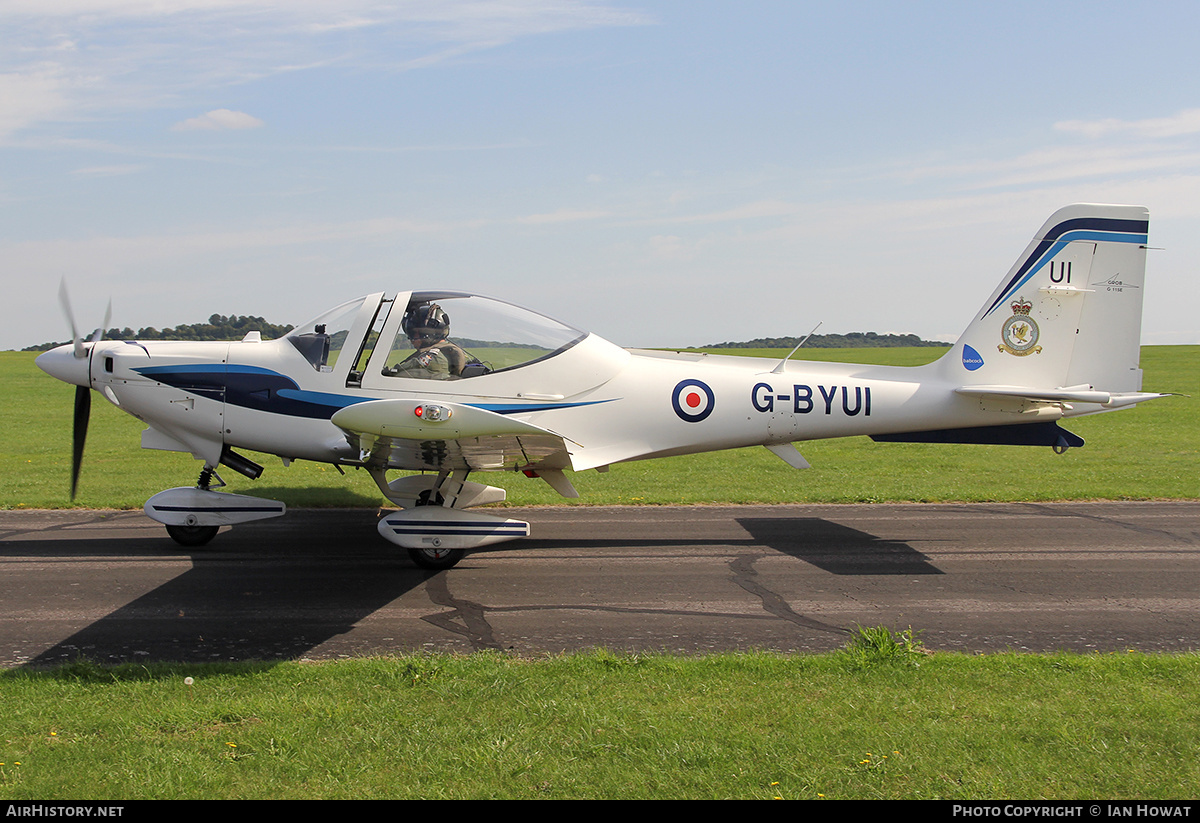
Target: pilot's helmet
{"points": [[427, 319]]}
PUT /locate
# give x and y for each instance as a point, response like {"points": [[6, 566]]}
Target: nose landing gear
{"points": [[193, 515]]}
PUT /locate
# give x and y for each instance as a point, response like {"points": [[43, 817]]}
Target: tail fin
{"points": [[1069, 312]]}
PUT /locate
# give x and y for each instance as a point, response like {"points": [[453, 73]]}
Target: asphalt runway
{"points": [[112, 587]]}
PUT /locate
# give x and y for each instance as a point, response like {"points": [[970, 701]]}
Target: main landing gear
{"points": [[192, 536], [436, 559], [433, 526]]}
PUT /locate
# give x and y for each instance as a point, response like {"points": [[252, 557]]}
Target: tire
{"points": [[436, 559], [192, 536]]}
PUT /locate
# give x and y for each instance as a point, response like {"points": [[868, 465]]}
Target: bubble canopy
{"points": [[491, 334]]}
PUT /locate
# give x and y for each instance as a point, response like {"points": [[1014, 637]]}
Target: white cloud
{"points": [[91, 59], [30, 97], [109, 171], [562, 216], [1052, 165], [220, 120], [744, 211], [1185, 122], [670, 247]]}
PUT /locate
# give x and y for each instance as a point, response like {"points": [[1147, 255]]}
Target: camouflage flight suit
{"points": [[441, 361]]}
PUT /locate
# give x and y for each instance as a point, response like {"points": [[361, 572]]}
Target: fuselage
{"points": [[608, 404]]}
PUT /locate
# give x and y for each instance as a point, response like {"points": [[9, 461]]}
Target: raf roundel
{"points": [[692, 400]]}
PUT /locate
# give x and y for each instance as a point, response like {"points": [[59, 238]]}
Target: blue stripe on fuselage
{"points": [[521, 408], [259, 389], [251, 387]]}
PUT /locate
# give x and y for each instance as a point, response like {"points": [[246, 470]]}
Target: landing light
{"points": [[432, 413]]}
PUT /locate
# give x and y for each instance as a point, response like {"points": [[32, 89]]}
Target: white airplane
{"points": [[385, 383]]}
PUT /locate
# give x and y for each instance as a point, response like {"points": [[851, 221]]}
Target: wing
{"points": [[417, 436]]}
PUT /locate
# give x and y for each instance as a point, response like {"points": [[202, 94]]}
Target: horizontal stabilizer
{"points": [[1073, 394], [1017, 434], [1081, 394]]}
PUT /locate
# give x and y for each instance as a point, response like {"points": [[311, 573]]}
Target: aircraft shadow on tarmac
{"points": [[294, 588], [276, 604], [835, 548], [829, 546]]}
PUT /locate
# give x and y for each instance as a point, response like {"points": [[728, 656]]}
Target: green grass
{"points": [[602, 725], [1150, 452], [881, 719]]}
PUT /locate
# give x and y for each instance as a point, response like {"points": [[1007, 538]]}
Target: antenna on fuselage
{"points": [[779, 369]]}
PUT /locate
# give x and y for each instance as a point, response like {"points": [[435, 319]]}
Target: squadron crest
{"points": [[1019, 334]]}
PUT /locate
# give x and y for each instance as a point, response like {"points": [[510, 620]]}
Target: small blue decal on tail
{"points": [[971, 358]]}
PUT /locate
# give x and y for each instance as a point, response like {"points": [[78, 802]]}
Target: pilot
{"points": [[435, 358]]}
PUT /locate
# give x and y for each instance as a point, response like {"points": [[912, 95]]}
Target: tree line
{"points": [[853, 340], [218, 327]]}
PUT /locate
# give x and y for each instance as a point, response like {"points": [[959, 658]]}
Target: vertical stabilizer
{"points": [[1069, 312]]}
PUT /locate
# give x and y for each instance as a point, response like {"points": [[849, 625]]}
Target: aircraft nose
{"points": [[62, 364]]}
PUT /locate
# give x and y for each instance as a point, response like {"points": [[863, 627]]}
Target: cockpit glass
{"points": [[322, 339], [451, 335]]}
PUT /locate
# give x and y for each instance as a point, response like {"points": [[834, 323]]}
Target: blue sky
{"points": [[661, 173]]}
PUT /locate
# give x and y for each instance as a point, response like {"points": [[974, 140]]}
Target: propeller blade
{"points": [[83, 394], [107, 319], [83, 409], [65, 301]]}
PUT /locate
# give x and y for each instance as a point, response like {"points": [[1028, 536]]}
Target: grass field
{"points": [[1149, 452], [868, 722], [879, 720]]}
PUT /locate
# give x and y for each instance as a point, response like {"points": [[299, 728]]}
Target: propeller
{"points": [[83, 410], [83, 393], [65, 301]]}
